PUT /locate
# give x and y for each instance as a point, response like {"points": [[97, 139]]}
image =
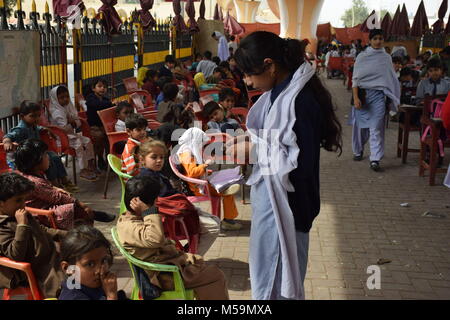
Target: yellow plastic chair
{"points": [[116, 165], [180, 293]]}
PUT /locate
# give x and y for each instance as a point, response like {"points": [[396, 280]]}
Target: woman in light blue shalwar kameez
{"points": [[374, 73], [288, 125]]}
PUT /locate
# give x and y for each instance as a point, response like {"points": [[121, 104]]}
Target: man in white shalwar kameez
{"points": [[222, 48]]}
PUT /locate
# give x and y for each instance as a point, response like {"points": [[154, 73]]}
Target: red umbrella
{"points": [[403, 26], [438, 26], [190, 10], [420, 24], [111, 18], [147, 19], [178, 21], [364, 27], [386, 24], [202, 10], [393, 29], [231, 26], [216, 12], [60, 7]]}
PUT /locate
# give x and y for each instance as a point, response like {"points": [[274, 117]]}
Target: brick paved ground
{"points": [[361, 221]]}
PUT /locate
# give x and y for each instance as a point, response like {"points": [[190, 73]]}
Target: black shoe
{"points": [[358, 157], [375, 166], [102, 165], [104, 216]]}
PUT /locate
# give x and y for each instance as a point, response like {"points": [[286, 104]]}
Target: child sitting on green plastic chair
{"points": [[141, 233], [86, 251]]}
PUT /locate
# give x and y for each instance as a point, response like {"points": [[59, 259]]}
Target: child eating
{"points": [[23, 239], [87, 248]]}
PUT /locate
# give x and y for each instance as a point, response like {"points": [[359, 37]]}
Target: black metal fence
{"points": [[154, 45], [95, 53]]}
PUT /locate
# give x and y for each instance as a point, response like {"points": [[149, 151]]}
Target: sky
{"points": [[332, 10]]}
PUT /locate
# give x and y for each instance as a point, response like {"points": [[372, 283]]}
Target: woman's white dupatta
{"points": [[277, 152]]}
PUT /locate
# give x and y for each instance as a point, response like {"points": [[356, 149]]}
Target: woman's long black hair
{"points": [[289, 54]]}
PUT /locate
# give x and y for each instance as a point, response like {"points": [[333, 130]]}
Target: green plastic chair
{"points": [[116, 165], [180, 293]]}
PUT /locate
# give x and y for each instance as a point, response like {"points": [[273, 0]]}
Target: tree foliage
{"points": [[360, 11]]}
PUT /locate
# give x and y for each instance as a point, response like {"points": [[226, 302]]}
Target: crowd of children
{"points": [[40, 181]]}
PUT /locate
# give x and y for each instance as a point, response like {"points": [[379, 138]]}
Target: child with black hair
{"points": [[169, 64], [217, 76], [123, 110], [398, 64], [169, 111], [151, 78], [28, 128], [32, 161], [227, 100], [86, 250], [435, 84], [96, 101], [153, 159], [162, 81], [141, 233], [216, 60], [136, 126], [63, 114], [23, 239], [218, 121]]}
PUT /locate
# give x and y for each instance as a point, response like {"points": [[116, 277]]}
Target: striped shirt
{"points": [[129, 165]]}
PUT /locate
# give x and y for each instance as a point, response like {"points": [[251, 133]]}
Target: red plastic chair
{"points": [[3, 164], [335, 63], [109, 119], [64, 147], [142, 101], [153, 124], [169, 223], [130, 84], [32, 292], [215, 201], [240, 113]]}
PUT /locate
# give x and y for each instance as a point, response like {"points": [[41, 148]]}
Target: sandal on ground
{"points": [[230, 225]]}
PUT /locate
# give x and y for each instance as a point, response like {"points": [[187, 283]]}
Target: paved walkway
{"points": [[361, 222]]}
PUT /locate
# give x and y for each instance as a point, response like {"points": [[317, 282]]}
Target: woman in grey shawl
{"points": [[375, 85]]}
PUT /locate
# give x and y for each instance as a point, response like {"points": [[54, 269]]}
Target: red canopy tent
{"points": [[386, 25], [403, 27], [438, 26], [393, 30], [363, 26], [346, 35], [323, 32]]}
